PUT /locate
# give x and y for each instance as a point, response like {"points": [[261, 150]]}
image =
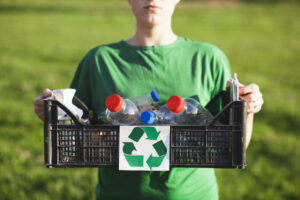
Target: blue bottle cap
{"points": [[154, 95], [147, 117]]}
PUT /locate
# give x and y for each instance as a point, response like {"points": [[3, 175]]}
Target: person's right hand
{"points": [[39, 103]]}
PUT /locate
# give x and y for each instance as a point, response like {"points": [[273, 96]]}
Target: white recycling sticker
{"points": [[144, 148]]}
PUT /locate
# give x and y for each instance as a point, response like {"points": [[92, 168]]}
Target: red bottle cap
{"points": [[114, 103], [175, 104]]}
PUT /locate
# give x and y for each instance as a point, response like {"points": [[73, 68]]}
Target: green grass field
{"points": [[42, 42]]}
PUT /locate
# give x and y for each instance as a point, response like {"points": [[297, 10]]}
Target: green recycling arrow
{"points": [[138, 132], [135, 161], [155, 161], [160, 148], [128, 147], [151, 133]]}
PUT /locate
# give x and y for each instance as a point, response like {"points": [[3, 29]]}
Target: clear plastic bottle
{"points": [[188, 111], [161, 116], [121, 111], [150, 117], [146, 102]]}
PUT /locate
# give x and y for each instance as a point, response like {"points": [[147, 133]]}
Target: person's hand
{"points": [[252, 95], [39, 103]]}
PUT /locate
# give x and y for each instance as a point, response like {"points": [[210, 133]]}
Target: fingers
{"points": [[39, 107], [39, 112], [254, 106], [251, 88], [38, 103], [253, 96], [47, 93], [228, 85]]}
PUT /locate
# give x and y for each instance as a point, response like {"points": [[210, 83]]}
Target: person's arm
{"points": [[249, 127], [253, 96]]}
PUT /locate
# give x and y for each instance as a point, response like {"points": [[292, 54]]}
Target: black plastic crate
{"points": [[220, 144]]}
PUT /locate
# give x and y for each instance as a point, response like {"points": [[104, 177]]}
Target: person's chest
{"points": [[168, 75]]}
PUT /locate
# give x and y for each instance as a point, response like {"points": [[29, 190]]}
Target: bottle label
{"points": [[144, 148]]}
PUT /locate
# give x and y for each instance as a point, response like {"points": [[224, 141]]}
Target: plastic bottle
{"points": [[121, 111], [161, 116], [188, 111], [146, 102]]}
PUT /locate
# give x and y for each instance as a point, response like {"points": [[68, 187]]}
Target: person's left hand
{"points": [[252, 95]]}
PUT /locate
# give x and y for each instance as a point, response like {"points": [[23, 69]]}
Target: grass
{"points": [[43, 41]]}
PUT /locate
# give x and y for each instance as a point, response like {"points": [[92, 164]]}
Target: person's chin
{"points": [[152, 21]]}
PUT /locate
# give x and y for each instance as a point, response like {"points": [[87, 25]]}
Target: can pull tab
{"points": [[234, 88]]}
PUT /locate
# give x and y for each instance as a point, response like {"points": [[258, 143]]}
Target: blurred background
{"points": [[42, 42]]}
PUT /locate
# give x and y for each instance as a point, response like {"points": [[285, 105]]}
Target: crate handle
{"points": [[219, 114], [223, 94], [64, 108], [77, 102]]}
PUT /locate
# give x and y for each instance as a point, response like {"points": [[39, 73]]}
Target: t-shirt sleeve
{"points": [[81, 82], [222, 72]]}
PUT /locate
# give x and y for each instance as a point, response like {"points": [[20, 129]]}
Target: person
{"points": [[155, 58]]}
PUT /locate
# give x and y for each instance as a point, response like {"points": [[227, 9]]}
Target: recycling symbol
{"points": [[138, 160]]}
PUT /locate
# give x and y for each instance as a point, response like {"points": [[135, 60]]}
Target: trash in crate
{"points": [[122, 111], [65, 96], [179, 111]]}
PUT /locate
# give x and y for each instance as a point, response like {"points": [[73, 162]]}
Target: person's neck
{"points": [[153, 35]]}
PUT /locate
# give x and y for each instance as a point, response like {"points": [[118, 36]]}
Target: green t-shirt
{"points": [[186, 68]]}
